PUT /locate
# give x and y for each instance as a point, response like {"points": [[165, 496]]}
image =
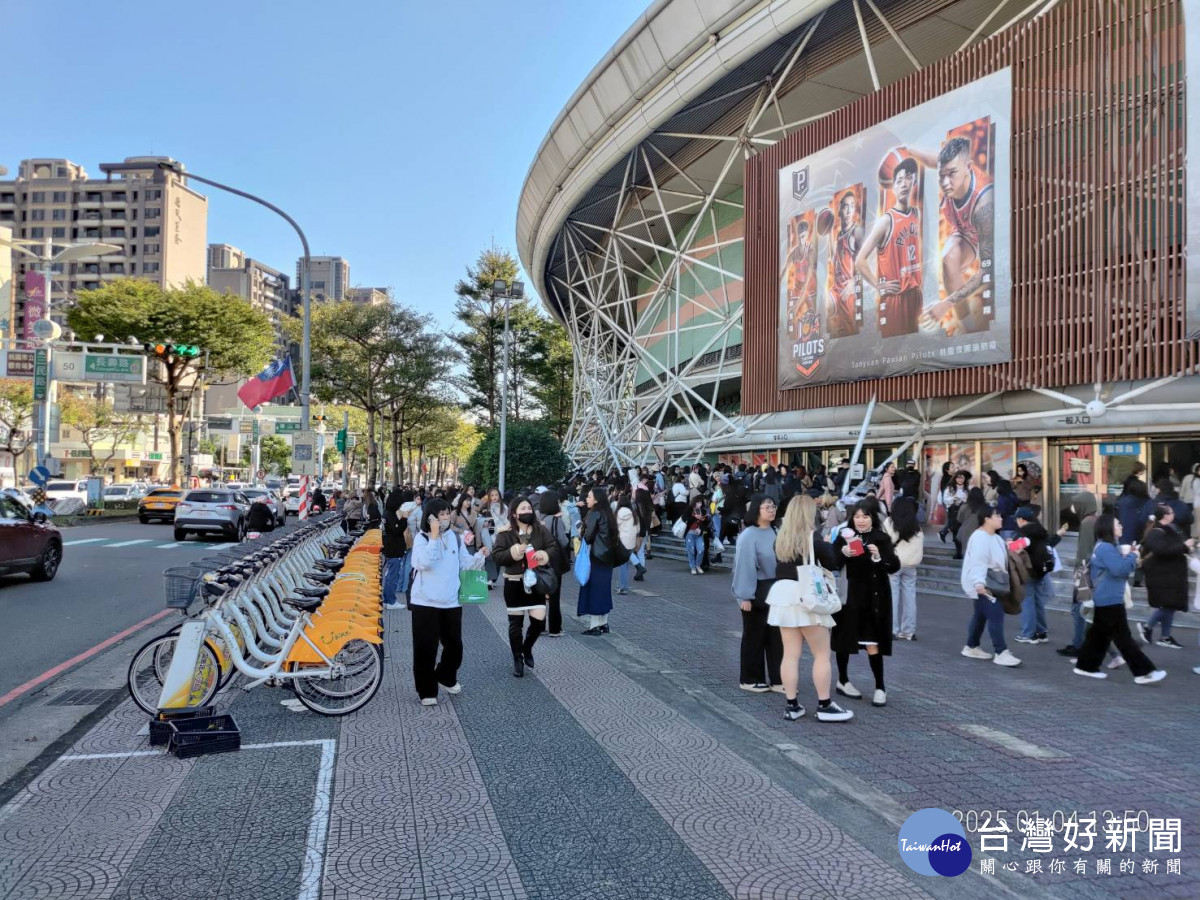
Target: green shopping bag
{"points": [[472, 586]]}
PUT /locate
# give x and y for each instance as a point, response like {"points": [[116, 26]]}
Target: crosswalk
{"points": [[146, 544]]}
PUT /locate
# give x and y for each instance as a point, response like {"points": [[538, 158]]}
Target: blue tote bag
{"points": [[583, 564]]}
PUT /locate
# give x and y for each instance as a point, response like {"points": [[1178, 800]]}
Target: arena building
{"points": [[955, 229]]}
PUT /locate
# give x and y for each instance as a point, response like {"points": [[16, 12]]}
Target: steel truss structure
{"points": [[629, 259]]}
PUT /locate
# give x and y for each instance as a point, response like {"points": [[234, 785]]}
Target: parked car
{"points": [[119, 493], [212, 511], [159, 504], [61, 490], [28, 543], [291, 505], [276, 499]]}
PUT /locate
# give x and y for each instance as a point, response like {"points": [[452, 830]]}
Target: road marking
{"points": [[86, 654], [130, 543], [1012, 742], [84, 541], [168, 546], [318, 826], [222, 546]]}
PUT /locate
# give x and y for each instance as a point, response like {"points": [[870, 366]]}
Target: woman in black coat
{"points": [[601, 535], [1164, 562], [866, 619]]}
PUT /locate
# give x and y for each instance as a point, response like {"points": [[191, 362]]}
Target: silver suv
{"points": [[212, 511]]}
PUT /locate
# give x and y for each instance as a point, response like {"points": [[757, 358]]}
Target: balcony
{"points": [[89, 204], [8, 204], [118, 221], [116, 204], [87, 276], [109, 276]]}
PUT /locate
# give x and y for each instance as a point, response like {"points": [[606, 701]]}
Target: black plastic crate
{"points": [[160, 725], [197, 737]]}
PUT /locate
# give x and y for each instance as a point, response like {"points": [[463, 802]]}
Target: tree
{"points": [[553, 378], [98, 422], [233, 337], [275, 454], [483, 316], [16, 416], [534, 456]]}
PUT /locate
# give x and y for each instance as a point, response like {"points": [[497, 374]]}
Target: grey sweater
{"points": [[754, 561]]}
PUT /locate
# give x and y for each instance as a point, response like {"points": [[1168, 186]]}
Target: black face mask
{"points": [[526, 518]]}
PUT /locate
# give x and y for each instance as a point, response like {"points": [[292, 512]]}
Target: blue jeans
{"points": [[623, 575], [1033, 608], [393, 572], [1163, 617], [1080, 625], [406, 573], [991, 613], [904, 600], [695, 549], [716, 525]]}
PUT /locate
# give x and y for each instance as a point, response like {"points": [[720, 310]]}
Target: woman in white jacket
{"points": [[627, 528], [438, 555], [905, 531]]}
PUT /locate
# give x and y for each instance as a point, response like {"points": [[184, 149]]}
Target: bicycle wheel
{"points": [[149, 667], [357, 675]]}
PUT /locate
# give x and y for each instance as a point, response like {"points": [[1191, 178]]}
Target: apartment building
{"points": [[368, 296], [159, 223], [330, 277], [230, 269]]}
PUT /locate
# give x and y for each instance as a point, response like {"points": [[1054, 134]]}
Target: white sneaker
{"points": [[975, 653], [1116, 662], [758, 688], [833, 713], [393, 606], [1196, 670], [455, 688], [880, 698], [1156, 675], [849, 690], [429, 701], [777, 689], [1087, 674], [1006, 659]]}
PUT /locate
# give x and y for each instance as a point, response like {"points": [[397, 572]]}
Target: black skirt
{"points": [[517, 600]]}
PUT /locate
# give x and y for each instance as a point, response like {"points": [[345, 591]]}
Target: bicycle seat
{"points": [[320, 577], [303, 605], [317, 592], [214, 589], [331, 565]]}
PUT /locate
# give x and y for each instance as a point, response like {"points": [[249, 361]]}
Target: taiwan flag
{"points": [[275, 379]]}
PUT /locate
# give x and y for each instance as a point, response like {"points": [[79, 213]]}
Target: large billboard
{"points": [[1191, 23], [894, 244]]}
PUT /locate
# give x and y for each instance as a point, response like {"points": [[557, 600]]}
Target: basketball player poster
{"points": [[912, 240]]}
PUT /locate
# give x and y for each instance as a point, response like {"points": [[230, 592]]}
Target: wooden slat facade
{"points": [[1097, 207]]}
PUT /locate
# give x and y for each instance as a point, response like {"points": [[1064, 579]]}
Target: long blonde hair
{"points": [[791, 544]]}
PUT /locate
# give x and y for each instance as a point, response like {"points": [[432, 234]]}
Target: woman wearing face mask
{"points": [[521, 534], [438, 556], [492, 514], [697, 530], [754, 568], [600, 533], [869, 558]]}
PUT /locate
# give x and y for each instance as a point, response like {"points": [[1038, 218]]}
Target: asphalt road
{"points": [[110, 580]]}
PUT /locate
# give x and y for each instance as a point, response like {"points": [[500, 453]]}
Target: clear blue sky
{"points": [[397, 133]]}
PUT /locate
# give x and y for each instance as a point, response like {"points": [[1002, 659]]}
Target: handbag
{"points": [[679, 528], [818, 589], [583, 564], [545, 581], [1083, 584], [999, 585], [472, 586]]}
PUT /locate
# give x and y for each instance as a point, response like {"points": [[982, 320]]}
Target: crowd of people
{"points": [[792, 527]]}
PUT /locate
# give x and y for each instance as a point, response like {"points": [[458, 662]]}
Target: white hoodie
{"points": [[437, 564]]}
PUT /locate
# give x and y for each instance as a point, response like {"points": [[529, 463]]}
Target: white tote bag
{"points": [[679, 528], [814, 589]]}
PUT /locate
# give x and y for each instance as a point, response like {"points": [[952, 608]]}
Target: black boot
{"points": [[518, 667], [515, 643], [536, 627]]}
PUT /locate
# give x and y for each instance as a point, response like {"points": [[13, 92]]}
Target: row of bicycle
{"points": [[304, 609]]}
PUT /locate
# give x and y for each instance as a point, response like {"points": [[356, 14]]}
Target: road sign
{"points": [[16, 363], [304, 453], [352, 440], [109, 367], [246, 426], [262, 473], [41, 374], [220, 423], [340, 442], [287, 427], [257, 430], [39, 475]]}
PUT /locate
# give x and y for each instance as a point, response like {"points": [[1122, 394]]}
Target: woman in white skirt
{"points": [[796, 624]]}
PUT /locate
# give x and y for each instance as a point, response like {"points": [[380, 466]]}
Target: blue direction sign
{"points": [[39, 475]]}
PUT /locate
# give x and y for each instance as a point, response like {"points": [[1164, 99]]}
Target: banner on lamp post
{"points": [[35, 302], [7, 287]]}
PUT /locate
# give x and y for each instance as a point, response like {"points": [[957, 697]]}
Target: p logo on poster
{"points": [[933, 842], [800, 183]]}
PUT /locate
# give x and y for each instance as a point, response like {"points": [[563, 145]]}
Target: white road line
{"points": [[221, 546], [131, 543], [84, 541], [318, 826], [1012, 742], [168, 546]]}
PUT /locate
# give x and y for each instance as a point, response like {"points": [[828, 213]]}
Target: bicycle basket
{"points": [[181, 586]]}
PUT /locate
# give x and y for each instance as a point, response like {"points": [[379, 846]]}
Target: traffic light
{"points": [[341, 440], [163, 351]]}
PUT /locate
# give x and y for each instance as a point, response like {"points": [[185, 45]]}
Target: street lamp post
{"points": [[47, 260], [510, 292], [305, 351]]}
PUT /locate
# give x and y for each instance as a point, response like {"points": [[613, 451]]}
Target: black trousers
{"points": [[762, 647], [432, 626], [554, 616], [1111, 625]]}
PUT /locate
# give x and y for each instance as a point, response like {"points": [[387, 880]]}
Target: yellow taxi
{"points": [[160, 504]]}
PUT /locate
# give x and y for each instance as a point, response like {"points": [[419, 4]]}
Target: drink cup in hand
{"points": [[856, 546], [531, 558]]}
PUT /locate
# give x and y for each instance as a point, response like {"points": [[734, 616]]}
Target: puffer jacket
{"points": [[627, 528], [910, 552]]}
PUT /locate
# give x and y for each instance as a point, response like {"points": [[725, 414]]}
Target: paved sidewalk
{"points": [[627, 766]]}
